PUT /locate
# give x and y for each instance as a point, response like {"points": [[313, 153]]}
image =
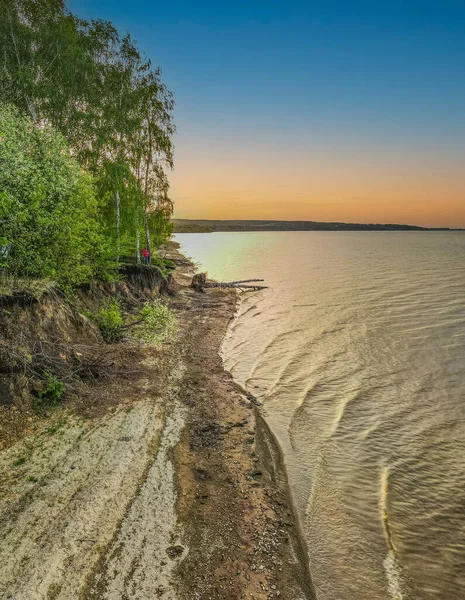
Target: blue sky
{"points": [[375, 87]]}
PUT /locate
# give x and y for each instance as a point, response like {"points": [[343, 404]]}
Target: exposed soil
{"points": [[170, 488]]}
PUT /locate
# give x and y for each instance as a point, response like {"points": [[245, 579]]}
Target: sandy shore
{"points": [[174, 490]]}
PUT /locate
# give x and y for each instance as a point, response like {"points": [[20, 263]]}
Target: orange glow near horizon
{"points": [[318, 189]]}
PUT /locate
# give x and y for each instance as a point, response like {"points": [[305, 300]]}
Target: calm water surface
{"points": [[357, 351]]}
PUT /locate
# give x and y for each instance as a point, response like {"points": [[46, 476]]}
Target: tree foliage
{"points": [[95, 88], [49, 215]]}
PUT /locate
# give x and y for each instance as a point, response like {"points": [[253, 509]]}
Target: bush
{"points": [[169, 264], [158, 323], [49, 216], [50, 395], [110, 321]]}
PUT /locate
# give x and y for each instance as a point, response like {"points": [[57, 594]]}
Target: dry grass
{"points": [[11, 286]]}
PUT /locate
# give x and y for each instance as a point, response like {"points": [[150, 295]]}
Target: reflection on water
{"points": [[358, 352]]}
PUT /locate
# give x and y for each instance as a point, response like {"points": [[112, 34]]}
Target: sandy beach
{"points": [[172, 488]]}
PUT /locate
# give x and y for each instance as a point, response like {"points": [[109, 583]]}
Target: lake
{"points": [[357, 351]]}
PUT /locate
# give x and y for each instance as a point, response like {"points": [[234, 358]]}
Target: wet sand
{"points": [[174, 490]]}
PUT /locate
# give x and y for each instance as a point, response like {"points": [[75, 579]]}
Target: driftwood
{"points": [[199, 282]]}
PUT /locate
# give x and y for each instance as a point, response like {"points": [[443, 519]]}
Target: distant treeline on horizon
{"points": [[209, 226]]}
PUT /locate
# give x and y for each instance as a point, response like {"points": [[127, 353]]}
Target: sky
{"points": [[326, 110]]}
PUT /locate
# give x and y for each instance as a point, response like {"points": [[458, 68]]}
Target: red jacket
{"points": [[145, 253]]}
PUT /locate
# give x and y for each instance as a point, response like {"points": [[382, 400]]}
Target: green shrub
{"points": [[49, 212], [158, 323], [110, 320], [162, 265], [169, 264], [50, 395]]}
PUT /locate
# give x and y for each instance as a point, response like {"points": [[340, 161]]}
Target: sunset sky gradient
{"points": [[348, 111]]}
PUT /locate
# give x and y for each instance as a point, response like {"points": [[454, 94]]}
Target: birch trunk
{"points": [[118, 223], [137, 237], [147, 236]]}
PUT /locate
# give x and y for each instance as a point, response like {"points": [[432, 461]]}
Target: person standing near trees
{"points": [[146, 255]]}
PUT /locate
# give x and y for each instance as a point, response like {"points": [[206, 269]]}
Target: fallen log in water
{"points": [[236, 286], [199, 282], [241, 281]]}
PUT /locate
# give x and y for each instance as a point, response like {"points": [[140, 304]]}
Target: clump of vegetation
{"points": [[157, 323], [154, 323], [168, 264], [110, 320], [51, 394], [48, 207]]}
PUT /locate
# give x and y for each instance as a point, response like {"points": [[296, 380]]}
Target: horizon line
{"points": [[365, 223]]}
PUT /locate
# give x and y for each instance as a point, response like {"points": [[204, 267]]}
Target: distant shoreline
{"points": [[211, 225]]}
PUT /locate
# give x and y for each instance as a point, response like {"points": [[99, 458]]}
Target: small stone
{"points": [[174, 551]]}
